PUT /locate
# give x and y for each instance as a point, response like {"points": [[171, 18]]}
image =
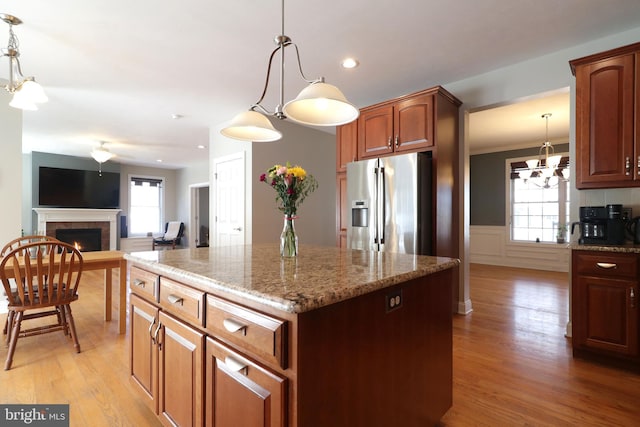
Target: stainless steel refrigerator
{"points": [[390, 204]]}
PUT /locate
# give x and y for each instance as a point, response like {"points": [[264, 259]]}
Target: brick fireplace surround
{"points": [[51, 219]]}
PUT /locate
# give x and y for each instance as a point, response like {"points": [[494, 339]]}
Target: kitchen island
{"points": [[239, 336]]}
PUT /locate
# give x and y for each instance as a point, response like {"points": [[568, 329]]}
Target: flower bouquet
{"points": [[292, 185]]}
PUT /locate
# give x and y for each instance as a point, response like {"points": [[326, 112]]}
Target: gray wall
{"points": [[37, 159], [197, 173], [315, 151], [487, 186], [312, 149]]}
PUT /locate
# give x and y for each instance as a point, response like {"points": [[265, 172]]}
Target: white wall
{"points": [[535, 76], [10, 169]]}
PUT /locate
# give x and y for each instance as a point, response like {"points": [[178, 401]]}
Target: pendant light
{"points": [[26, 91], [319, 104]]}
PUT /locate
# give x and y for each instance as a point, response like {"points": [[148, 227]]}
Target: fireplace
{"points": [[52, 219], [85, 239]]}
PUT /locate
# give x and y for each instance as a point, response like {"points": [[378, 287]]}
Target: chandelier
{"points": [[26, 91], [319, 104], [544, 171]]}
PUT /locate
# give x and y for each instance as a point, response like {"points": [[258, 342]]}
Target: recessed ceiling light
{"points": [[349, 63], [176, 116], [202, 147], [159, 160]]}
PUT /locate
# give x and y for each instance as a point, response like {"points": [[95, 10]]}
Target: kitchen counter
{"points": [[628, 248], [319, 276], [239, 336]]}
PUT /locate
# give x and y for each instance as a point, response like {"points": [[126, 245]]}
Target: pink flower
{"points": [[263, 177], [290, 191], [281, 170], [288, 179]]}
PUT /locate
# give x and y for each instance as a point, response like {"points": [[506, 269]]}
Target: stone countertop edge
{"points": [[289, 294], [628, 248]]}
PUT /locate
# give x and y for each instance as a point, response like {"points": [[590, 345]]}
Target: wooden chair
{"points": [[13, 244], [173, 232], [47, 275]]}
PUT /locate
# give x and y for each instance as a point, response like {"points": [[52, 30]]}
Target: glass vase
{"points": [[288, 238]]}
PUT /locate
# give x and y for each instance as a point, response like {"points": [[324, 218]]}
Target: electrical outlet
{"points": [[393, 300]]}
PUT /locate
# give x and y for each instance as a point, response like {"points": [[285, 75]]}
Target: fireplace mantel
{"points": [[46, 215]]}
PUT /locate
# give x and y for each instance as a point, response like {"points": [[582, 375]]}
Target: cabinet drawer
{"points": [[254, 332], [184, 302], [606, 264], [143, 283], [242, 392]]}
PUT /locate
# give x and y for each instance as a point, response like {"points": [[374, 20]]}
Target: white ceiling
{"points": [[117, 70]]}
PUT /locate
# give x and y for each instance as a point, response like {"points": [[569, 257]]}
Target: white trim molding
{"points": [[46, 215], [491, 245]]}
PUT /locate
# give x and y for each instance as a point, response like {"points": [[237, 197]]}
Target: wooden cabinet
{"points": [[168, 356], [607, 118], [400, 126], [347, 145], [360, 361], [421, 121], [144, 353], [605, 304], [240, 392], [167, 359]]}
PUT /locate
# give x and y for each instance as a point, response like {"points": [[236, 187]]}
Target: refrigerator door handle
{"points": [[376, 209], [382, 203]]}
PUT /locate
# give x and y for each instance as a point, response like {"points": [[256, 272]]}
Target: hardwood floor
{"points": [[95, 382], [512, 364]]}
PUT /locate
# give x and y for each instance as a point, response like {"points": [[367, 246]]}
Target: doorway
{"points": [[199, 215]]}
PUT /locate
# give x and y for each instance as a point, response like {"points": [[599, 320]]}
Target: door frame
{"points": [[194, 209]]}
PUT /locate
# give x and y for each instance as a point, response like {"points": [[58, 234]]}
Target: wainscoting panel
{"points": [[491, 245]]}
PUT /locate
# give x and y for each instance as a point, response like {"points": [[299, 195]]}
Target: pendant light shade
{"points": [[321, 104], [251, 126]]}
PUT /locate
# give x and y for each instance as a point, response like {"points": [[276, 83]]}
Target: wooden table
{"points": [[107, 261]]}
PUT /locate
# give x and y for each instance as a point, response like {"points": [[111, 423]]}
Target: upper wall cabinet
{"points": [[347, 145], [608, 118], [405, 124]]}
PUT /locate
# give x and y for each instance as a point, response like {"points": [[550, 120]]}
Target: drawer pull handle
{"points": [[235, 365], [632, 297], [607, 265], [234, 326], [139, 283], [173, 299]]}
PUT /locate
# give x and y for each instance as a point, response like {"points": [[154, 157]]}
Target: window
{"points": [[539, 206], [146, 196]]}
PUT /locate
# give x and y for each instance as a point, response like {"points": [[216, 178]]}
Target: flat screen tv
{"points": [[73, 188]]}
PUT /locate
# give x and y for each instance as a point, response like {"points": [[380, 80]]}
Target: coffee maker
{"points": [[601, 225]]}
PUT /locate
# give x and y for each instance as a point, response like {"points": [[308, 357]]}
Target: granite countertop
{"points": [[319, 276], [628, 248]]}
